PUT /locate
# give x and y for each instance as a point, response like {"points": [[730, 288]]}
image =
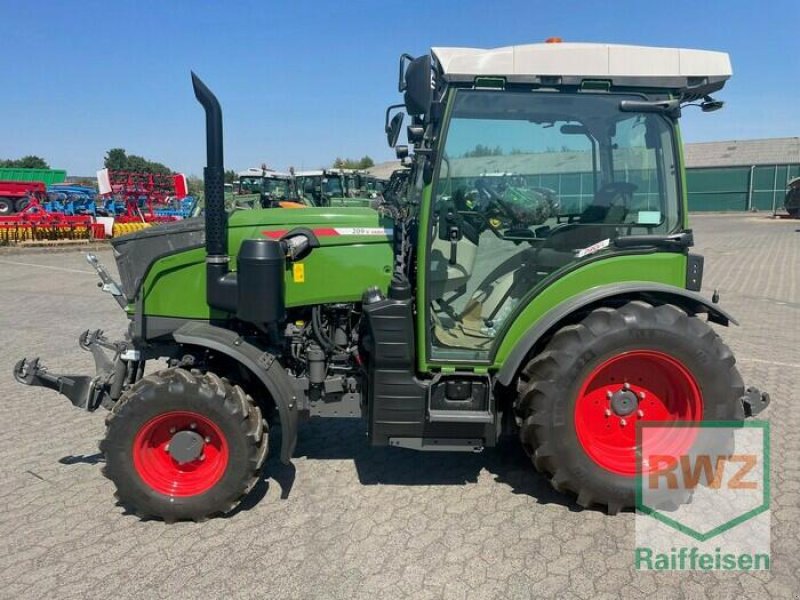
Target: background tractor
{"points": [[471, 306], [264, 188], [335, 188]]}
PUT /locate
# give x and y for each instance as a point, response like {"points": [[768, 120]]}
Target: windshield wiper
{"points": [[668, 107]]}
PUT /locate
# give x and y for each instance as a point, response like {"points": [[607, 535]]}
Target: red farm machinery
{"points": [[137, 200], [24, 217]]}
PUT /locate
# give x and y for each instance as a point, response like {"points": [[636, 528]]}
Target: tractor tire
{"points": [[184, 445], [6, 206], [579, 400], [22, 203]]}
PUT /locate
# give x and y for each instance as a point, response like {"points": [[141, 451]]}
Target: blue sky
{"points": [[303, 82]]}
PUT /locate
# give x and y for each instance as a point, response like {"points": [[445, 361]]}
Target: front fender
{"points": [[692, 302], [261, 364]]}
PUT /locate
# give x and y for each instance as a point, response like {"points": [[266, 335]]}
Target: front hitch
{"points": [[113, 373], [81, 390]]}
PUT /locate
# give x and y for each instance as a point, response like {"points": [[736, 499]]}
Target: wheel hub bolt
{"points": [[172, 430], [207, 440], [642, 395], [626, 385], [640, 413], [609, 394], [623, 422], [193, 426], [608, 412]]}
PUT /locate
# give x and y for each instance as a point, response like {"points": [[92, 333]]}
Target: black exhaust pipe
{"points": [[221, 289]]}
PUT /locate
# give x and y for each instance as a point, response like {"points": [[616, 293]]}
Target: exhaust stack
{"points": [[221, 288]]}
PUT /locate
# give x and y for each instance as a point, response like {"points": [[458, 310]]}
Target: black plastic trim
{"points": [[262, 364]]}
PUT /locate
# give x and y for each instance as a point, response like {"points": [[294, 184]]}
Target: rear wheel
{"points": [[183, 445], [23, 203], [580, 399], [6, 206]]}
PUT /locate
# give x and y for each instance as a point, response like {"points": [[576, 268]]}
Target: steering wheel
{"points": [[494, 198]]}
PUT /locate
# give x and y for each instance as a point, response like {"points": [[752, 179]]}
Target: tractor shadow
{"points": [[343, 439]]}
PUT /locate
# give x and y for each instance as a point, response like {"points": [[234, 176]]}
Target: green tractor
{"points": [[535, 280], [332, 188], [263, 188]]}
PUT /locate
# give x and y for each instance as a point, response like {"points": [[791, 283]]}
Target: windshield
{"points": [[576, 145], [249, 185], [333, 186], [528, 184], [273, 186]]}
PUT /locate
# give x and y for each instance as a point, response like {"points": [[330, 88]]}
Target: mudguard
{"points": [[262, 364], [692, 302]]}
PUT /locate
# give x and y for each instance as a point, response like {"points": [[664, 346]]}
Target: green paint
{"points": [[339, 271], [682, 178], [422, 268], [663, 267]]}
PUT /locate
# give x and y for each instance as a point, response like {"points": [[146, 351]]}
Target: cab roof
{"points": [[629, 66], [254, 172]]}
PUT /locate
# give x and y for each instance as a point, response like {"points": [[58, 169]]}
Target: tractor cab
{"points": [[268, 187], [330, 188], [537, 161]]}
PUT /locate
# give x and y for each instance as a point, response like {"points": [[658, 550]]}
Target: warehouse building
{"points": [[741, 175]]}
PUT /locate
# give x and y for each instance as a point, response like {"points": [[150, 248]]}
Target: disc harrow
{"points": [[34, 223]]}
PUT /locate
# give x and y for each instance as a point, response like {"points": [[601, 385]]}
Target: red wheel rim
{"points": [[158, 469], [636, 386]]}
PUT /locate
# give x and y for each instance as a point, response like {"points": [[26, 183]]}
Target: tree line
{"points": [[117, 159], [26, 162], [365, 162]]}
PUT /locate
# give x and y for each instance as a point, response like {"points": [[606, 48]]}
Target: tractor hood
{"points": [[137, 252]]}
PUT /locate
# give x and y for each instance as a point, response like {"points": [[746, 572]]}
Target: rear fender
{"points": [[261, 364], [691, 302]]}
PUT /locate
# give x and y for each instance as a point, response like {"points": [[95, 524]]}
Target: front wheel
{"points": [[183, 445], [580, 399]]}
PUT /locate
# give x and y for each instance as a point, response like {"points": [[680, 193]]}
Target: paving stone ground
{"points": [[353, 522]]}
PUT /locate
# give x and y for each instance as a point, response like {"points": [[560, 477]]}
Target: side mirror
{"points": [[418, 94], [710, 104], [401, 152], [393, 128]]}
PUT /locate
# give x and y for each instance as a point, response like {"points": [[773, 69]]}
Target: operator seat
{"points": [[599, 221]]}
